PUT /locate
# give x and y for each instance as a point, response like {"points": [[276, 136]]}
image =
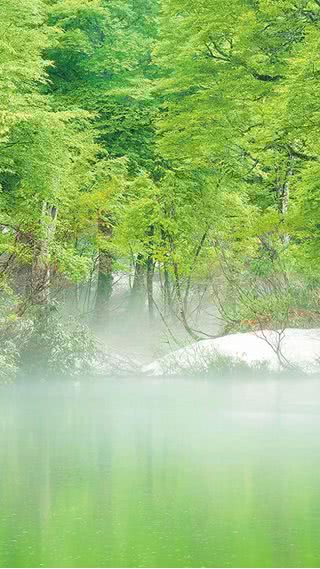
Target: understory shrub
{"points": [[58, 347], [9, 361]]}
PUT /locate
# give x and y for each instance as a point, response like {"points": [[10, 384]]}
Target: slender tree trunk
{"points": [[41, 263], [284, 196], [105, 284], [181, 304], [138, 287], [284, 189], [182, 313], [167, 300], [150, 277], [196, 255], [105, 274], [150, 274]]}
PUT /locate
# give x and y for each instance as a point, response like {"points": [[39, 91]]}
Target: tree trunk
{"points": [[167, 300], [282, 185], [150, 277], [138, 287], [150, 274], [182, 313], [196, 255], [41, 263], [105, 273], [284, 196], [105, 284], [177, 284]]}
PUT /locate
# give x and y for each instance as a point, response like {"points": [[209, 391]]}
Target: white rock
{"points": [[275, 350]]}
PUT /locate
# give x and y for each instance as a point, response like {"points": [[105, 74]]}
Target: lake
{"points": [[160, 473]]}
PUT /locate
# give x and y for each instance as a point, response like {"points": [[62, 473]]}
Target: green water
{"points": [[160, 474]]}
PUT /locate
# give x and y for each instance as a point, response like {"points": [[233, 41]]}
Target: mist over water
{"points": [[160, 473]]}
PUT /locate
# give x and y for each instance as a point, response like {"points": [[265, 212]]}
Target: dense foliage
{"points": [[172, 140]]}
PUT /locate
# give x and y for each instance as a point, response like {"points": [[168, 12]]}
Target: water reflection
{"points": [[160, 473]]}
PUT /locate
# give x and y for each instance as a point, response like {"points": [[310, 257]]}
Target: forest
{"points": [[159, 171]]}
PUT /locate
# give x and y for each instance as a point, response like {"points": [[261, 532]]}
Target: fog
{"points": [[160, 472], [126, 328]]}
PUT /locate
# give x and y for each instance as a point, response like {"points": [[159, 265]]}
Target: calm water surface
{"points": [[160, 474]]}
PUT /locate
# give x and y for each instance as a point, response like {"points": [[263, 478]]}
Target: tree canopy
{"points": [[169, 137]]}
